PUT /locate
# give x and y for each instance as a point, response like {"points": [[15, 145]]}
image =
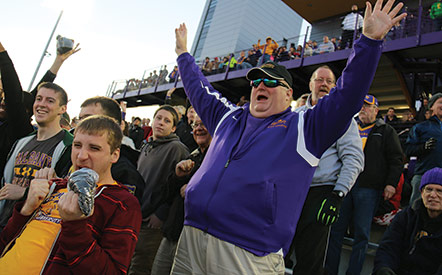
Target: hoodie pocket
{"points": [[270, 201]]}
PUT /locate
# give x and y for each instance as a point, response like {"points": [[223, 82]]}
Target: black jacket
{"points": [[184, 132], [171, 194], [125, 172], [405, 250], [383, 158], [419, 134], [136, 133]]}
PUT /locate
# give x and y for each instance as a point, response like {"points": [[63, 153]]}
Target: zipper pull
{"points": [[227, 163]]}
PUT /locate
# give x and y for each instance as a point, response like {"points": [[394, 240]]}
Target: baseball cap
{"points": [[432, 176], [369, 99], [272, 70]]}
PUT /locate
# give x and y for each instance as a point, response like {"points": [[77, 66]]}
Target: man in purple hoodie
{"points": [[242, 205]]}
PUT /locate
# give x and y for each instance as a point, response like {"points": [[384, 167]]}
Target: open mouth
{"points": [[200, 133], [41, 111], [261, 98]]}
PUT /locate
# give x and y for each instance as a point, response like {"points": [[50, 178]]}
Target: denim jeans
{"points": [[244, 65], [149, 240], [360, 205], [265, 58], [164, 258]]}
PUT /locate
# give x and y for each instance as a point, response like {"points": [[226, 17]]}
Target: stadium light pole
{"points": [[44, 52]]}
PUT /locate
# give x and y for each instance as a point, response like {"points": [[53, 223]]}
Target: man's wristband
{"points": [[338, 193]]}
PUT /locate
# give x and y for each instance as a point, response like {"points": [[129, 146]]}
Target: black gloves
{"points": [[329, 209], [430, 144]]}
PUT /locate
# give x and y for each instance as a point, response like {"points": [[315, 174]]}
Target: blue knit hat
{"points": [[432, 176]]}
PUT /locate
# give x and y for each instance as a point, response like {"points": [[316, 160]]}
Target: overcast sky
{"points": [[118, 40]]}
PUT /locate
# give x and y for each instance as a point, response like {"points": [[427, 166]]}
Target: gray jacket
{"points": [[341, 164]]}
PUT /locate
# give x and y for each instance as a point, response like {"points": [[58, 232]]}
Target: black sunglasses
{"points": [[271, 83]]}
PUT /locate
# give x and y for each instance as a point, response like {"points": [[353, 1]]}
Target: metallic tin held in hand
{"points": [[84, 182]]}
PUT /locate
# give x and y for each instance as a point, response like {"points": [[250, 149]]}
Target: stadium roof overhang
{"points": [[315, 10]]}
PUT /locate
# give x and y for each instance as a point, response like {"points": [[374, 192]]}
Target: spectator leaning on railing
{"points": [[249, 62], [348, 27], [326, 46]]}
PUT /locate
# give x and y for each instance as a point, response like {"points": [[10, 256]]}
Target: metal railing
{"points": [[415, 24]]}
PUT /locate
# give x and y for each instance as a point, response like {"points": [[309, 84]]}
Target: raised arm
{"points": [[15, 110], [53, 70], [208, 102], [61, 58], [378, 21], [331, 116], [181, 39]]}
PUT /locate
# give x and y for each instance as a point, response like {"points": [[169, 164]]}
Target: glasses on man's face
{"points": [[271, 83], [429, 190], [368, 106], [328, 80], [197, 124]]}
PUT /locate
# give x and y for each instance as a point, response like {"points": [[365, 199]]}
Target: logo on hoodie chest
{"points": [[278, 123]]}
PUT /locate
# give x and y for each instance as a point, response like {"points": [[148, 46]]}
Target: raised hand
{"points": [[38, 189], [170, 91], [181, 39], [61, 58], [379, 21], [184, 167], [69, 208], [65, 56]]}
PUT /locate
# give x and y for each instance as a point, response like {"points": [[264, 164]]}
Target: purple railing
{"points": [[416, 23]]}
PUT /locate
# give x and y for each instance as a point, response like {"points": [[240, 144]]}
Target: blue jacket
{"points": [[417, 137], [244, 192]]}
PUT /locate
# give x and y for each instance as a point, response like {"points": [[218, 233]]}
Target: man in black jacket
{"points": [[412, 243], [174, 193], [382, 170], [136, 133]]}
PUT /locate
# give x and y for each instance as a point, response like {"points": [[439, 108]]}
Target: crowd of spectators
{"points": [[278, 52], [100, 195]]}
